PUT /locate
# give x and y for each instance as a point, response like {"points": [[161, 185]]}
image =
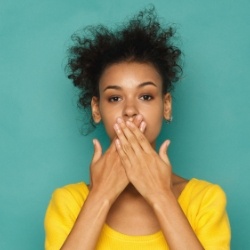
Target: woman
{"points": [[134, 200]]}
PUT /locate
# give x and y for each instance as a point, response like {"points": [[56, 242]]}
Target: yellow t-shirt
{"points": [[202, 202]]}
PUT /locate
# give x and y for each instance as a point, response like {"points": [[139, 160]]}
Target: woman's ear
{"points": [[95, 109], [167, 107]]}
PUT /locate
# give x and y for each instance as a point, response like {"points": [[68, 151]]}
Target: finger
{"points": [[125, 160], [97, 151], [138, 121], [142, 126], [163, 151], [135, 134], [124, 142], [126, 149], [112, 147], [127, 138]]}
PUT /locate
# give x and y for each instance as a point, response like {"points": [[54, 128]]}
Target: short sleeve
{"points": [[212, 224], [62, 213]]}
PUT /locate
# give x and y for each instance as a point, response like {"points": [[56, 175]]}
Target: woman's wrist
{"points": [[102, 196], [162, 198]]}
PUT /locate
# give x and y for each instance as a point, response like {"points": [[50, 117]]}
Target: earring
{"points": [[168, 121]]}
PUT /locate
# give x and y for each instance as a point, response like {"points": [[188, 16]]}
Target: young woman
{"points": [[134, 200]]}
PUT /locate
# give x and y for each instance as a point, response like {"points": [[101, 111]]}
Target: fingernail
{"points": [[129, 123], [139, 117], [143, 126], [119, 120], [116, 127], [117, 142]]}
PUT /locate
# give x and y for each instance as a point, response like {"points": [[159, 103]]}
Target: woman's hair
{"points": [[142, 39]]}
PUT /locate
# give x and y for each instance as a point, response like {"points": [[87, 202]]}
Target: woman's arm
{"points": [[88, 226], [105, 188], [151, 174], [173, 222]]}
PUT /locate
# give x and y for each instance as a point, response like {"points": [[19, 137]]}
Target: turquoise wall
{"points": [[41, 147]]}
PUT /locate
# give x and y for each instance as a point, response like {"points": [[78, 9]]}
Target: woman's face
{"points": [[127, 89]]}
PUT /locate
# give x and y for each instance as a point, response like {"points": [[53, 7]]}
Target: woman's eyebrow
{"points": [[139, 86], [113, 87], [146, 84]]}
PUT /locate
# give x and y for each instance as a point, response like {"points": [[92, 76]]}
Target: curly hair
{"points": [[142, 39]]}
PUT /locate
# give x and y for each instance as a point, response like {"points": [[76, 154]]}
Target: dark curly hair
{"points": [[141, 39]]}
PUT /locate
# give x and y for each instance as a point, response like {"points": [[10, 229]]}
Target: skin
{"points": [[131, 194], [130, 89]]}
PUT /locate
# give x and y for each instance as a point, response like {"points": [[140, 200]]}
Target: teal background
{"points": [[41, 147]]}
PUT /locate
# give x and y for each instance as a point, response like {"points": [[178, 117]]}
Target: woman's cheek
{"points": [[109, 127], [152, 131], [111, 134]]}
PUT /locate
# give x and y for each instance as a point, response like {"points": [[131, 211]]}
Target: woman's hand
{"points": [[148, 171], [108, 179], [107, 174], [151, 173]]}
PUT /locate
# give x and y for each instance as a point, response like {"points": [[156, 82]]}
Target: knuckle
{"points": [[133, 128], [141, 138], [131, 137], [124, 158], [126, 147]]}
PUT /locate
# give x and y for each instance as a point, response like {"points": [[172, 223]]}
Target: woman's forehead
{"points": [[130, 74]]}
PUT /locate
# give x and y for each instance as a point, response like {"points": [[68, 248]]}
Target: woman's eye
{"points": [[146, 97], [114, 99]]}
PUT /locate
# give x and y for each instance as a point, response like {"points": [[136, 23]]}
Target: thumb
{"points": [[163, 151], [97, 151]]}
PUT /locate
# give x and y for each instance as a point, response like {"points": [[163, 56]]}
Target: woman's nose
{"points": [[130, 110]]}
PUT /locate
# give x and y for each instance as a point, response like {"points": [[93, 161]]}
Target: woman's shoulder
{"points": [[79, 187], [65, 204], [76, 192], [200, 186], [197, 190]]}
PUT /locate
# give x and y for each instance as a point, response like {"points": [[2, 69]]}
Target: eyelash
{"points": [[114, 99], [148, 97], [143, 97]]}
